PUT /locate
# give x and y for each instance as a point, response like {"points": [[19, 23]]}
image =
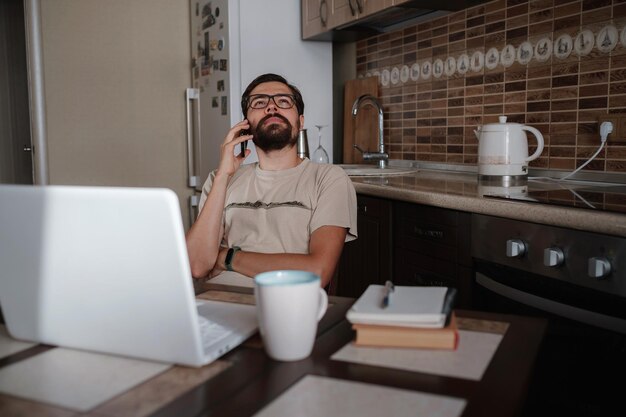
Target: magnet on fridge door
{"points": [[224, 105]]}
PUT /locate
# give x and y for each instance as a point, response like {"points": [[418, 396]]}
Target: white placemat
{"points": [[468, 361], [75, 379], [317, 396], [8, 345]]}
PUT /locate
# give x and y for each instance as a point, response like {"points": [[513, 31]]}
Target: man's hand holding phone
{"points": [[237, 135], [243, 145]]}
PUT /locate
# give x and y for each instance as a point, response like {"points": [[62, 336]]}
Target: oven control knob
{"points": [[553, 257], [598, 267], [515, 248]]}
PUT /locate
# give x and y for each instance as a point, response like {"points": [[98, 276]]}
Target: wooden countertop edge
{"points": [[580, 219]]}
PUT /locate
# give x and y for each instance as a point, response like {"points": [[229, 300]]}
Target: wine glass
{"points": [[319, 155]]}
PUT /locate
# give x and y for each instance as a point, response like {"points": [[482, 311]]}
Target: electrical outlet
{"points": [[619, 125]]}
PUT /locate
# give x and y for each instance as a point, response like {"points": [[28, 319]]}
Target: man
{"points": [[280, 213]]}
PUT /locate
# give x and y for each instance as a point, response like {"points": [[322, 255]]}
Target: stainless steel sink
{"points": [[360, 170]]}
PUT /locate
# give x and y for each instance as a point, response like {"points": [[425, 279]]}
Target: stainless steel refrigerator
{"points": [[232, 42]]}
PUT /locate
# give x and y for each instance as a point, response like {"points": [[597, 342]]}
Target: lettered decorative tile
{"points": [[426, 69], [415, 72], [478, 61], [606, 40], [543, 49], [404, 73], [395, 75], [384, 77], [463, 64], [450, 66], [584, 42], [563, 46], [492, 58], [438, 68], [507, 56], [525, 53]]}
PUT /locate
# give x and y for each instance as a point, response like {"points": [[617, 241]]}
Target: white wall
{"points": [[271, 42]]}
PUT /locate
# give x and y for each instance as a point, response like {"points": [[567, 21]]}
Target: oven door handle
{"points": [[551, 306]]}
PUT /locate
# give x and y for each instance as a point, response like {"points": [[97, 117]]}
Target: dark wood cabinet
{"points": [[431, 247], [410, 243], [367, 260]]}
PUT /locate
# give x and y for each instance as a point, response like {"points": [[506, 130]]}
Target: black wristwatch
{"points": [[229, 257]]}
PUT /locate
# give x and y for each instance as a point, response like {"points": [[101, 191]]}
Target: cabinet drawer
{"points": [[428, 214], [441, 268], [417, 270], [372, 206], [436, 232]]}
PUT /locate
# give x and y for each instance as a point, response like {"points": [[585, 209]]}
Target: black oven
{"points": [[575, 279]]}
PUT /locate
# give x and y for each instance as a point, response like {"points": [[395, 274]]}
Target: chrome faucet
{"points": [[381, 156]]}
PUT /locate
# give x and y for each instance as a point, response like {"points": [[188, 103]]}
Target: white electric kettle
{"points": [[503, 149]]}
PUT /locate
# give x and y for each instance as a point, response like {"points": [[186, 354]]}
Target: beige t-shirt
{"points": [[277, 211]]}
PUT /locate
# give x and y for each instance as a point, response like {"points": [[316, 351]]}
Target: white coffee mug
{"points": [[289, 305]]}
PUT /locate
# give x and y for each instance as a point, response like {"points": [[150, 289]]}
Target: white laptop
{"points": [[105, 269]]}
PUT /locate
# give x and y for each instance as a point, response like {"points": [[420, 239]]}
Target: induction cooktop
{"points": [[592, 196]]}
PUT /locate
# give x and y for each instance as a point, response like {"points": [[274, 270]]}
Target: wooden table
{"points": [[246, 379]]}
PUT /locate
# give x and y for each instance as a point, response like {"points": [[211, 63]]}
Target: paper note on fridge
{"points": [[408, 306]]}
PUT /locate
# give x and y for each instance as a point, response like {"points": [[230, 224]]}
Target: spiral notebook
{"points": [[408, 306]]}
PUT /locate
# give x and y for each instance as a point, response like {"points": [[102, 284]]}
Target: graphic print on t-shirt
{"points": [[261, 205]]}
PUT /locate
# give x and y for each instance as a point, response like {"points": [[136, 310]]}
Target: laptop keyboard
{"points": [[211, 332]]}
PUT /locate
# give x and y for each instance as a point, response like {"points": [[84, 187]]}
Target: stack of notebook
{"points": [[407, 317]]}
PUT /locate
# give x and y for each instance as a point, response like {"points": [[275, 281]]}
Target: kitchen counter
{"points": [[461, 191]]}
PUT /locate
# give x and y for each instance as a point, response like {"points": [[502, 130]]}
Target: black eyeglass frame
{"points": [[272, 98]]}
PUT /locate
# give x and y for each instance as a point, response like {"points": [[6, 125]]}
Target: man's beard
{"points": [[274, 136]]}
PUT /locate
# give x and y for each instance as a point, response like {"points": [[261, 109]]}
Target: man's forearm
{"points": [[205, 236], [325, 250]]}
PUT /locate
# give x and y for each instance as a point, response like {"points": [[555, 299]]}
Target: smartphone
{"points": [[243, 145]]}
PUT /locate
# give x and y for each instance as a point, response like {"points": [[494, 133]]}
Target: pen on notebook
{"points": [[388, 291]]}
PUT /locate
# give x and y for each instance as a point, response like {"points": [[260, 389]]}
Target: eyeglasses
{"points": [[261, 101]]}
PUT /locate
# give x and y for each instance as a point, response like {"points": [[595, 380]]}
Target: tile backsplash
{"points": [[556, 65]]}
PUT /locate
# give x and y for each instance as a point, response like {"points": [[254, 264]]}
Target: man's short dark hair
{"points": [[266, 78]]}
